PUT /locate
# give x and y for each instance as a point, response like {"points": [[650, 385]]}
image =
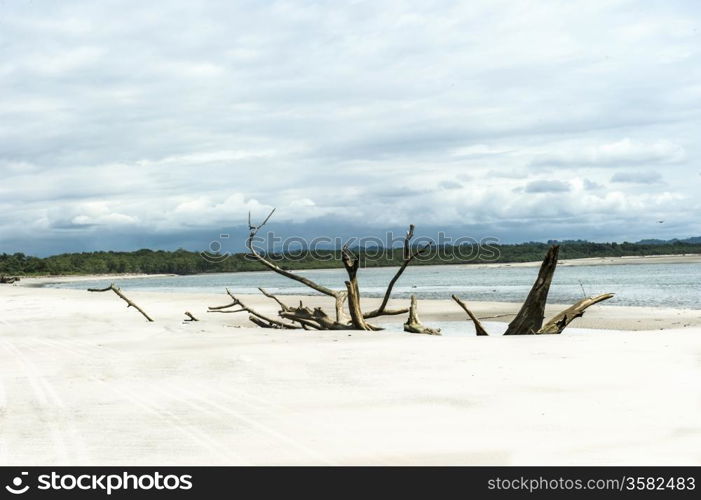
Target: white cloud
{"points": [[637, 177], [547, 186], [619, 153]]}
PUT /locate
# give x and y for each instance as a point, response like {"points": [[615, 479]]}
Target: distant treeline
{"points": [[187, 262]]}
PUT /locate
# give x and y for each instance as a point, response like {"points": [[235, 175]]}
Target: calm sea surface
{"points": [[655, 285]]}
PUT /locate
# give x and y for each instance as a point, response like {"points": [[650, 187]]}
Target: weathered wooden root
{"points": [[529, 319], [9, 279], [479, 329], [190, 316], [123, 297], [413, 323], [560, 321]]}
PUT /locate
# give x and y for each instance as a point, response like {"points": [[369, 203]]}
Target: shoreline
{"points": [[39, 281]]}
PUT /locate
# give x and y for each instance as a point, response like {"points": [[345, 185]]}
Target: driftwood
{"points": [[529, 319], [283, 306], [560, 321], [414, 325], [9, 279], [339, 296], [408, 254], [351, 264], [121, 296], [254, 316], [190, 316], [317, 318], [479, 329]]}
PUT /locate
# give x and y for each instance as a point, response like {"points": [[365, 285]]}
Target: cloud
{"points": [[637, 177], [625, 152], [450, 185], [369, 114], [590, 185], [546, 186]]}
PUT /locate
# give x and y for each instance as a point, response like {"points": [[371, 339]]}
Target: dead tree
{"points": [[121, 296], [479, 329], [413, 323], [530, 318], [560, 321], [9, 279]]}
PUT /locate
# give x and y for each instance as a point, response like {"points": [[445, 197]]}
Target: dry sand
{"points": [[83, 380]]}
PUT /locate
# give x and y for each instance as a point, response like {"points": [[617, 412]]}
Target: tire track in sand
{"points": [[190, 431], [215, 409], [67, 442]]}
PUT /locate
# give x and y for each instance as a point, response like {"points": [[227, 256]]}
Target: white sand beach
{"points": [[83, 380]]}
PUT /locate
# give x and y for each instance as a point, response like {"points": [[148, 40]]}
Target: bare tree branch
{"points": [[478, 326], [123, 297], [273, 323], [560, 321], [253, 231], [408, 256], [284, 306]]}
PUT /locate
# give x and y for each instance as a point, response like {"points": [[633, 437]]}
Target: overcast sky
{"points": [[128, 124]]}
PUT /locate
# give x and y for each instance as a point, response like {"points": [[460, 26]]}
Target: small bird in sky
{"points": [[660, 222]]}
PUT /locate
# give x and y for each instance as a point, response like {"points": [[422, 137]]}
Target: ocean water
{"points": [[651, 285]]}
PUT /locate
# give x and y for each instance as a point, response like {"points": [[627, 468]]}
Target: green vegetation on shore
{"points": [[186, 262]]}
